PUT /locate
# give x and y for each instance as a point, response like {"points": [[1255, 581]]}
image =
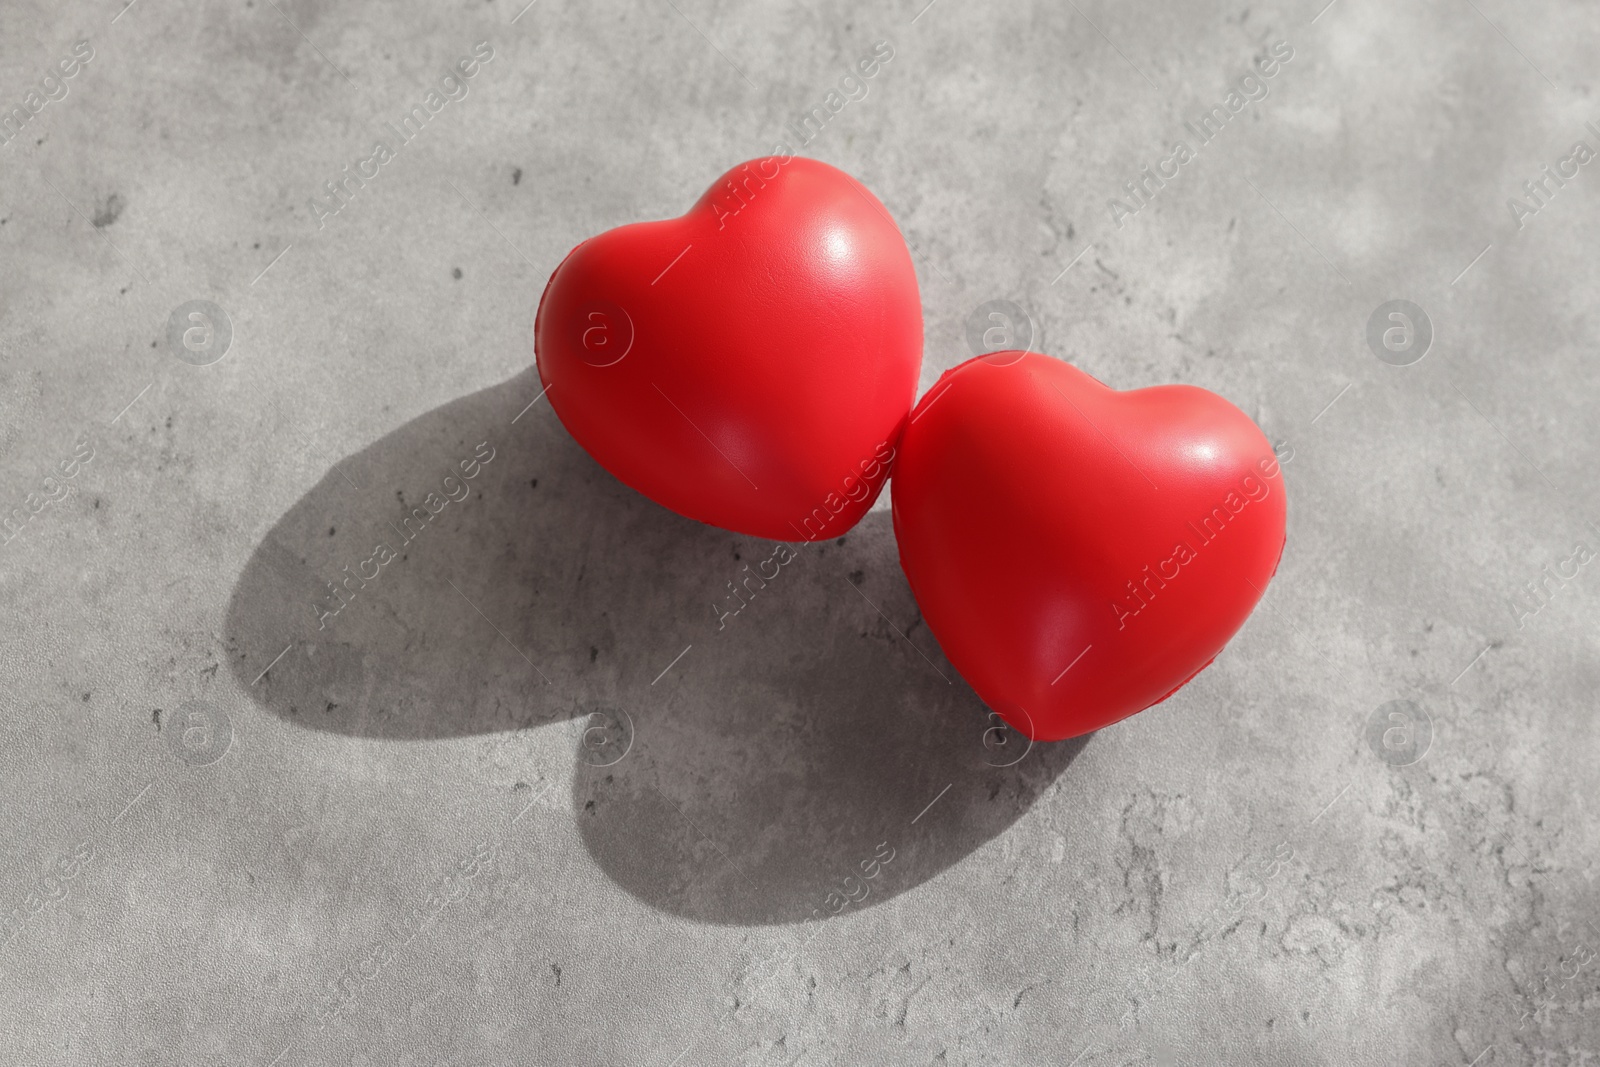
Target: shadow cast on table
{"points": [[773, 763]]}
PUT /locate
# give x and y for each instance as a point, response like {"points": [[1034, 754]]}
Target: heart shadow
{"points": [[742, 767]]}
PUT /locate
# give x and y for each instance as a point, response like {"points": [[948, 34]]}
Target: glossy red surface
{"points": [[749, 364], [1079, 552]]}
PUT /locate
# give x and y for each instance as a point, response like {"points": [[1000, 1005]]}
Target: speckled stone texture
{"points": [[522, 800]]}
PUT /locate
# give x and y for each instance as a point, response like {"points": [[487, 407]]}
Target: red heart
{"points": [[748, 364], [1079, 552]]}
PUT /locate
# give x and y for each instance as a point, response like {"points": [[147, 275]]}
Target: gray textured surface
{"points": [[1234, 877]]}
